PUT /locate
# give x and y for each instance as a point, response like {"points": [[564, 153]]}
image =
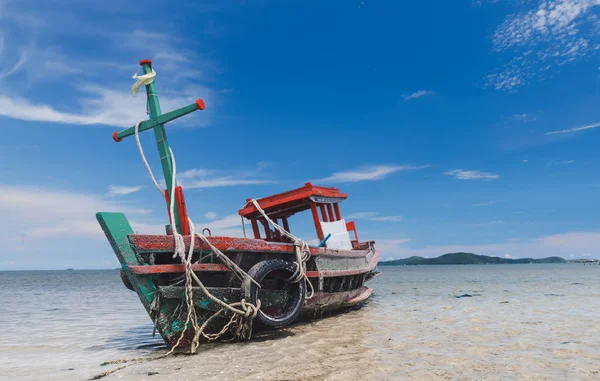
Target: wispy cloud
{"points": [[33, 213], [227, 226], [489, 223], [210, 215], [486, 203], [99, 105], [418, 94], [369, 173], [93, 91], [462, 174], [573, 130], [372, 216], [524, 117], [559, 162], [227, 181], [552, 34], [199, 178], [118, 190]]}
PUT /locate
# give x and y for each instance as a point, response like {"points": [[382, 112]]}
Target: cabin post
{"points": [[255, 228], [323, 213], [315, 213], [265, 225], [286, 226], [336, 207], [277, 233], [330, 212]]}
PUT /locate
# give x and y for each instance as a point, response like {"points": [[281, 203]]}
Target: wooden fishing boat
{"points": [[335, 268]]}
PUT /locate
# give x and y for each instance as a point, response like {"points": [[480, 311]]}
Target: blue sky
{"points": [[457, 125]]}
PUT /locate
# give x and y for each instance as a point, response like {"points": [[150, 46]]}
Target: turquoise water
{"points": [[495, 322]]}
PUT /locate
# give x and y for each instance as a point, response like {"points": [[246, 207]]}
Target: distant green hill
{"points": [[467, 259]]}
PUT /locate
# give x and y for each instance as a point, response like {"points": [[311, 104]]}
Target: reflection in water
{"points": [[521, 322]]}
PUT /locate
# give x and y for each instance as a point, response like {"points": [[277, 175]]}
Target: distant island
{"points": [[467, 259]]}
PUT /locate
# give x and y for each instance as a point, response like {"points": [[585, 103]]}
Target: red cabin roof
{"points": [[287, 203]]}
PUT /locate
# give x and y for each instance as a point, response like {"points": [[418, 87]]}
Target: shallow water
{"points": [[494, 322]]}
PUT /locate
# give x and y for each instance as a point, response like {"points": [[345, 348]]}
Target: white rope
{"points": [[140, 80], [246, 313], [301, 248], [139, 144]]}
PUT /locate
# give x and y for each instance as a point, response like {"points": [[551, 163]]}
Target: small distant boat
{"points": [[337, 266]]}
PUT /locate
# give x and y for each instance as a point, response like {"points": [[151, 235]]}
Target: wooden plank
{"points": [[346, 272], [165, 244], [179, 268]]}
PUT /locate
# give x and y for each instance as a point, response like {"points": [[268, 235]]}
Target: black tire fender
{"points": [[294, 306], [126, 281]]}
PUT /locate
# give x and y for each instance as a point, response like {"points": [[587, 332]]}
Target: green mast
{"points": [[157, 122], [161, 136]]}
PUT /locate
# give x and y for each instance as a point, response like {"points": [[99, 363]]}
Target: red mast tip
{"points": [[149, 62], [115, 137], [200, 104]]}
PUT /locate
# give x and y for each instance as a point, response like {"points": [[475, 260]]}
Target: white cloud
{"points": [[573, 130], [372, 216], [418, 94], [369, 173], [118, 190], [559, 162], [199, 178], [227, 181], [552, 34], [486, 203], [489, 223], [563, 245], [27, 63], [196, 172], [37, 212], [524, 117], [508, 256], [462, 174], [227, 226], [210, 215], [99, 105]]}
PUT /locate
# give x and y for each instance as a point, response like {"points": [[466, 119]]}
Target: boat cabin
{"points": [[324, 204]]}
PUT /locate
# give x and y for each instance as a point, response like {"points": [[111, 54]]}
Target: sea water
{"points": [[493, 322]]}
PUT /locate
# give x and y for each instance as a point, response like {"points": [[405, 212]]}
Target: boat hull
{"points": [[337, 277]]}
